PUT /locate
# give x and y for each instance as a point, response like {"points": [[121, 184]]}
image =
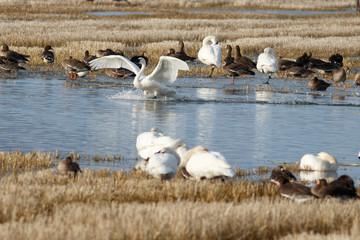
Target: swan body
{"points": [[210, 52], [267, 62], [163, 164], [322, 162], [198, 163], [153, 85], [148, 143]]}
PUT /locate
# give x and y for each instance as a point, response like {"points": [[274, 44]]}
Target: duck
{"points": [[267, 62], [163, 164], [198, 163], [180, 54], [323, 161], [48, 56], [317, 84], [135, 59], [243, 60], [7, 66], [233, 69], [210, 53], [87, 58], [298, 71], [75, 68], [170, 52], [102, 53], [294, 191], [339, 75], [357, 79], [69, 166], [13, 56], [279, 172], [343, 188], [153, 85]]}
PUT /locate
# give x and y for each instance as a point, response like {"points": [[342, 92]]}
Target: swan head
{"points": [[327, 157], [155, 129], [270, 51], [210, 40], [141, 61]]}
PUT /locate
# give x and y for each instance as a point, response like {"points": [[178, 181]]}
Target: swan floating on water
{"points": [[198, 163], [210, 52], [153, 85], [267, 62], [323, 161]]}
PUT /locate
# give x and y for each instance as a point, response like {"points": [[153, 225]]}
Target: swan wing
{"points": [[167, 69], [114, 61]]}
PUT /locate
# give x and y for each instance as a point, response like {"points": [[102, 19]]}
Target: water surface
{"points": [[250, 123]]}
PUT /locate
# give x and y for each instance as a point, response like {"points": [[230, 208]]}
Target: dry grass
{"points": [[70, 31], [119, 205], [44, 204]]}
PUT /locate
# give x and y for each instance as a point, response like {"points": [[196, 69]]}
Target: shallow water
{"points": [[250, 123], [271, 11]]}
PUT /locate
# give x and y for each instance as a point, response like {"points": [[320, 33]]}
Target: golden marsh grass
{"points": [[71, 32], [105, 204]]}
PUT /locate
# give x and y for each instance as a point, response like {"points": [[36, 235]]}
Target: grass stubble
{"points": [[39, 203]]}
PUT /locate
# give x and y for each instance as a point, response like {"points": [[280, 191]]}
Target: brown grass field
{"points": [[39, 203]]}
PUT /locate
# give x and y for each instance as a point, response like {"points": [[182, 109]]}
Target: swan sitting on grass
{"points": [[198, 163], [148, 143], [153, 85], [323, 161], [161, 165]]}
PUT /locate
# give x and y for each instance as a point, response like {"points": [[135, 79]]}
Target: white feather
{"points": [[210, 52], [322, 162]]}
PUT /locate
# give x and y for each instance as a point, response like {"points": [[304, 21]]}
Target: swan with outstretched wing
{"points": [[153, 85]]}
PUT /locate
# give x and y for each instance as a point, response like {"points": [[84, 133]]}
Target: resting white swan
{"points": [[210, 53], [198, 163], [146, 139], [147, 143], [322, 162], [162, 164], [153, 85], [267, 62]]}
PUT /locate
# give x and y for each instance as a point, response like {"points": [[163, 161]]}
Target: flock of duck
{"points": [[163, 157], [166, 71]]}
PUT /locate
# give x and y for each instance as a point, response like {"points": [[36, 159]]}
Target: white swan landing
{"points": [[210, 52], [153, 85], [322, 162], [198, 163]]}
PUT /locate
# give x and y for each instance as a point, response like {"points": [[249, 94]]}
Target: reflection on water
{"points": [[250, 129], [311, 176]]}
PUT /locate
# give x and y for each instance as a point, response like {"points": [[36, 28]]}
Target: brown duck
{"points": [[233, 69], [75, 68], [69, 166], [13, 56], [279, 172], [339, 75], [318, 84]]}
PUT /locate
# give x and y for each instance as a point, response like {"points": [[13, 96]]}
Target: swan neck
{"points": [[137, 79]]}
